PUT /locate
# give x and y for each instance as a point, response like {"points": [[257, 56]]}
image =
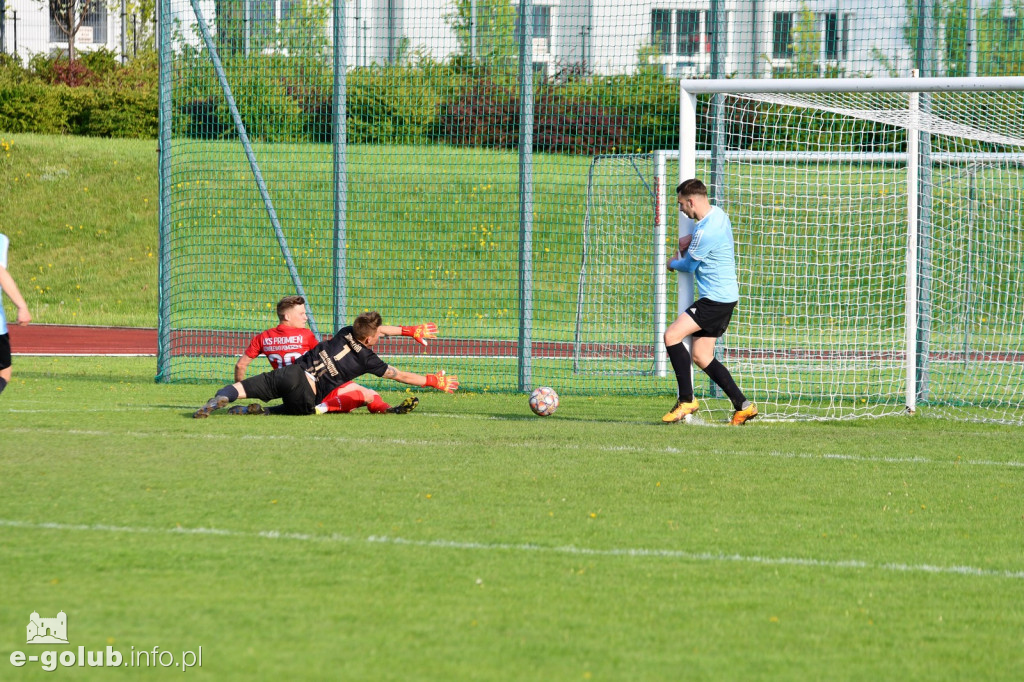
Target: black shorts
{"points": [[712, 316], [288, 383], [5, 351]]}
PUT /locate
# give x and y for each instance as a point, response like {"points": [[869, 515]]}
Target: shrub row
{"points": [[94, 96], [282, 100], [289, 99]]}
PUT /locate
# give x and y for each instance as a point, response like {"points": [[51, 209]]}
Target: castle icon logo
{"points": [[47, 630]]}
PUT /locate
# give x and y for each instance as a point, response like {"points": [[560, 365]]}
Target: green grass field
{"points": [[471, 540]]}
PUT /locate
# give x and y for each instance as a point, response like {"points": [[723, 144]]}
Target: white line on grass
{"points": [[448, 443], [511, 444], [527, 547]]}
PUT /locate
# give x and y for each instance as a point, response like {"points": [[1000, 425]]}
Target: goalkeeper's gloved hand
{"points": [[443, 382], [421, 332]]}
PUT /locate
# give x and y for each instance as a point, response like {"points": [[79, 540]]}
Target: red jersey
{"points": [[282, 345]]}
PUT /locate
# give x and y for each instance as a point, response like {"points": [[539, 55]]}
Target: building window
{"points": [[837, 28], [688, 32], [661, 30], [290, 9], [541, 21], [782, 35], [264, 23], [95, 17]]}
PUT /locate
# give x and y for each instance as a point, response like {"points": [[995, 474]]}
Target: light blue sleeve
{"points": [[684, 264], [4, 242]]}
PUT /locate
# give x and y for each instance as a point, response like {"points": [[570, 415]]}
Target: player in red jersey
{"points": [[327, 366], [289, 340]]}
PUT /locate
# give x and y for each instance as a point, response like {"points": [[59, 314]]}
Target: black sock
{"points": [[229, 392], [680, 358], [721, 376], [3, 384]]}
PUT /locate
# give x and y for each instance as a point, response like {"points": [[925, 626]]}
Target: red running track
{"points": [[58, 339], [61, 339]]}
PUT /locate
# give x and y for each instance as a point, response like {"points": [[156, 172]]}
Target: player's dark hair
{"points": [[366, 324], [288, 302], [691, 187]]}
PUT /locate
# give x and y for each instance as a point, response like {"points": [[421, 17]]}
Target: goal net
{"points": [[619, 305], [880, 247]]}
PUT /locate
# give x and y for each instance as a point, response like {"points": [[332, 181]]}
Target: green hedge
{"points": [[289, 99], [93, 96]]}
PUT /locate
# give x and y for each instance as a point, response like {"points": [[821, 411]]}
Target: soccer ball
{"points": [[543, 401]]}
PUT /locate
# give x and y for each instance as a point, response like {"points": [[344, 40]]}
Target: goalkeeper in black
{"points": [[307, 381]]}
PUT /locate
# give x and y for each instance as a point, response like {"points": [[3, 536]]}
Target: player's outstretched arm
{"points": [[448, 383], [241, 366], [418, 332], [11, 289]]}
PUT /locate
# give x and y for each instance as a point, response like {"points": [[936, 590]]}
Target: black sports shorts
{"points": [[5, 351], [712, 316], [288, 383]]}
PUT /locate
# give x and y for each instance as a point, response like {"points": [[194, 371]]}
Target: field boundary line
{"points": [[573, 550], [774, 454]]}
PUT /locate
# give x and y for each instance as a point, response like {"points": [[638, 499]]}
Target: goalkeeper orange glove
{"points": [[443, 382], [421, 332]]}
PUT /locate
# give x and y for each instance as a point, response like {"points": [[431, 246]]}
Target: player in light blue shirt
{"points": [[11, 289], [710, 255]]}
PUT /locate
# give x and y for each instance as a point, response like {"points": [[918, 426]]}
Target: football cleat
{"points": [[214, 403], [320, 409], [407, 406], [680, 411], [254, 408], [741, 417]]}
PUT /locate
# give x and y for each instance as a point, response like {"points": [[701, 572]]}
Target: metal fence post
{"points": [[340, 133], [166, 58], [525, 195]]}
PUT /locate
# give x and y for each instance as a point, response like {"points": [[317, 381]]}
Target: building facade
{"points": [[757, 38]]}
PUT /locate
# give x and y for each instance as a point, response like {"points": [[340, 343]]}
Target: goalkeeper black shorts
{"points": [[5, 351], [288, 383], [712, 316]]}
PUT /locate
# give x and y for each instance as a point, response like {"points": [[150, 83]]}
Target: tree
{"points": [[806, 42], [70, 15], [493, 38]]}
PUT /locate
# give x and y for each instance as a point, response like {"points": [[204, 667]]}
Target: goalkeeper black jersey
{"points": [[339, 360]]}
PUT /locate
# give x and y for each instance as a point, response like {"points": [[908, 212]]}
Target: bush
{"points": [[568, 119], [120, 112], [94, 95], [484, 115], [32, 107]]}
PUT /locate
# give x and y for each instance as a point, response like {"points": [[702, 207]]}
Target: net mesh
{"points": [[617, 309], [817, 190], [425, 224]]}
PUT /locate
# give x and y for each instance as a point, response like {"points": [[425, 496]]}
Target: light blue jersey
{"points": [[4, 241], [712, 246]]}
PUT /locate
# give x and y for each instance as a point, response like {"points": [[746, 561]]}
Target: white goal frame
{"points": [[688, 155]]}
